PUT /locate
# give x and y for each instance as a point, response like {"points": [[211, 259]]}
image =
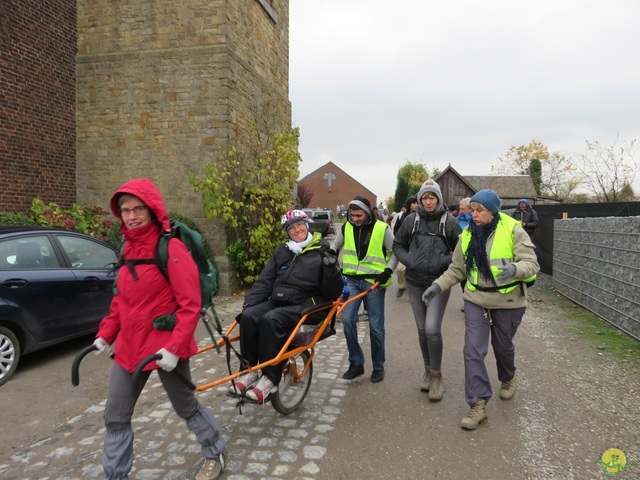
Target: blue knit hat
{"points": [[489, 199]]}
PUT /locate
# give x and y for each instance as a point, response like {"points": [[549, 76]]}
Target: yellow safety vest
{"points": [[374, 262], [501, 253]]}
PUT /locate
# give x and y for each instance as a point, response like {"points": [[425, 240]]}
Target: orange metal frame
{"points": [[285, 353]]}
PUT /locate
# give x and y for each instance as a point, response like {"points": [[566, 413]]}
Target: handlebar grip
{"points": [[75, 367], [156, 356]]}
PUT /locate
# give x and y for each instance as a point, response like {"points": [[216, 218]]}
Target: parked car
{"points": [[55, 285], [323, 221]]}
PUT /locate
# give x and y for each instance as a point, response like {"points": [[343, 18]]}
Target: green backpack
{"points": [[195, 243]]}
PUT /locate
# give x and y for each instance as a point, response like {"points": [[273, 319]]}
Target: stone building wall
{"points": [[596, 263], [37, 102], [161, 85]]}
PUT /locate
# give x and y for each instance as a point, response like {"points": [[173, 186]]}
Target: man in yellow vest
{"points": [[498, 261], [367, 244]]}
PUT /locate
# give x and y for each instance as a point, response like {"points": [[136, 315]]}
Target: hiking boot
{"points": [[377, 376], [243, 382], [507, 389], [426, 380], [260, 393], [211, 469], [477, 414], [354, 371], [437, 387], [400, 292]]}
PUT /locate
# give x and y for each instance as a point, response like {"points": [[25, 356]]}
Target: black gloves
{"points": [[384, 277], [329, 258]]}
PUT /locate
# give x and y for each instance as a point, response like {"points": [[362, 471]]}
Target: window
{"points": [[86, 253], [27, 253]]}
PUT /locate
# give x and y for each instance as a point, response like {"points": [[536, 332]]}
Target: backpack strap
{"points": [[441, 232]]}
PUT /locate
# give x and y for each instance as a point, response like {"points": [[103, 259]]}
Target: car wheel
{"points": [[9, 354]]}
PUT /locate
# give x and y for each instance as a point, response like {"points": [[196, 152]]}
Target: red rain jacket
{"points": [[138, 302]]}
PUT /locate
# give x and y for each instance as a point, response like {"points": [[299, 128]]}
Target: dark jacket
{"points": [[411, 199], [428, 254], [305, 276], [528, 217]]}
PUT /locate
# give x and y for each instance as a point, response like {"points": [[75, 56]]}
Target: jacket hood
{"points": [[145, 190], [430, 186], [410, 199]]}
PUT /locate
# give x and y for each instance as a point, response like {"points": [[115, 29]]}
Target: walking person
{"points": [[497, 259], [410, 206], [366, 259], [301, 273], [526, 215], [424, 244], [142, 294], [464, 217]]}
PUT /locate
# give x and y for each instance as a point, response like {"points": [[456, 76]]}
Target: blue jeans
{"points": [[375, 308]]}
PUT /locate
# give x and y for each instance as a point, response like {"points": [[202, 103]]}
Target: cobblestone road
{"points": [[262, 443]]}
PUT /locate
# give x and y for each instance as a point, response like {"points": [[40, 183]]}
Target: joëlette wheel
{"points": [[292, 391]]}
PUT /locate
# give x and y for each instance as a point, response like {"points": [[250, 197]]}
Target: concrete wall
{"points": [[596, 263], [37, 102]]}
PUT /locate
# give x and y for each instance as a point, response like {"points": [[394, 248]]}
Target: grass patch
{"points": [[598, 333]]}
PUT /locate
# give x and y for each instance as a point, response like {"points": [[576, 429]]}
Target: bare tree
{"points": [[557, 176], [609, 171]]}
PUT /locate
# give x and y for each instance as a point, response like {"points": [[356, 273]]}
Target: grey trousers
{"points": [[429, 323], [480, 324], [117, 455]]}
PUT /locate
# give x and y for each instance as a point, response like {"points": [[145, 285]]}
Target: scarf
{"points": [[477, 251], [297, 247]]}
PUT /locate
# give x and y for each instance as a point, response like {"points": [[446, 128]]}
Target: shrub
{"points": [[91, 220], [16, 219]]}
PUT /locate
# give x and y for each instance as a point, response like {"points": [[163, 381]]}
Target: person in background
{"points": [[424, 245], [142, 294], [464, 217], [526, 215], [410, 206], [497, 259], [301, 273], [366, 259]]}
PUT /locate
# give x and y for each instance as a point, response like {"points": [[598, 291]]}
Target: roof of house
{"points": [[507, 186]]}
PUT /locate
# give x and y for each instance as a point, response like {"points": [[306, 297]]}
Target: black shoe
{"points": [[400, 292], [354, 371], [377, 376]]}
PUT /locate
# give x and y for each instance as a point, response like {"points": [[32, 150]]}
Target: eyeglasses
{"points": [[139, 210]]}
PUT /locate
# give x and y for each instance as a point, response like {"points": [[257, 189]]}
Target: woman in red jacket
{"points": [[142, 294]]}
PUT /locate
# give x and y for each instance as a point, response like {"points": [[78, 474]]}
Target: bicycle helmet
{"points": [[294, 216]]}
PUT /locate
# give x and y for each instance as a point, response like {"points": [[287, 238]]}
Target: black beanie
{"points": [[362, 203]]}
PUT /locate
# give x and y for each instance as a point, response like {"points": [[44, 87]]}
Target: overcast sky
{"points": [[374, 83]]}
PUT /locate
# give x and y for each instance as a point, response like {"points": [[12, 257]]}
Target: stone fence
{"points": [[596, 263]]}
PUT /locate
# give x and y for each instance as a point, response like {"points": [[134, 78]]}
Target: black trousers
{"points": [[265, 328]]}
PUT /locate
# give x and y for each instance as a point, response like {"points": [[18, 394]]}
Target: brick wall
{"points": [[37, 102], [344, 188], [596, 263]]}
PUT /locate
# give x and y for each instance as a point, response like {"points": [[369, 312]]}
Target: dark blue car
{"points": [[55, 285]]}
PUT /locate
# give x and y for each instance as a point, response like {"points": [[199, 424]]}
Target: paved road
{"points": [[572, 404]]}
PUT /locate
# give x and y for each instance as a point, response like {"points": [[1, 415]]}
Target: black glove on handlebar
{"points": [[384, 276]]}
